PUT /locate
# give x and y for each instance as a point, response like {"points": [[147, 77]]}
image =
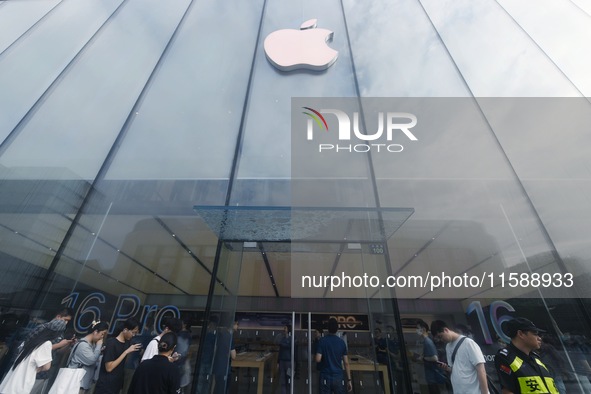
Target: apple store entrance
{"points": [[269, 298]]}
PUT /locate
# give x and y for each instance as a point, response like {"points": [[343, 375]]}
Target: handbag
{"points": [[68, 379]]}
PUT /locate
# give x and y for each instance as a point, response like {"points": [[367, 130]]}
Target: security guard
{"points": [[520, 370]]}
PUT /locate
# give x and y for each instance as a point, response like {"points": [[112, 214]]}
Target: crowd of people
{"points": [[97, 363], [526, 364]]}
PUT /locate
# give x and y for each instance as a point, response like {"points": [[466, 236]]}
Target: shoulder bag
{"points": [[68, 379], [491, 386]]}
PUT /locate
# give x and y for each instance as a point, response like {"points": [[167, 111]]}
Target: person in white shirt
{"points": [[465, 359], [34, 357], [170, 325]]}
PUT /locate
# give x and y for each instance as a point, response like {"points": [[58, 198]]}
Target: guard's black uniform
{"points": [[523, 374]]}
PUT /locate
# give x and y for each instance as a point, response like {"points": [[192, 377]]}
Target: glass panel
{"points": [[583, 6], [398, 53], [97, 107], [37, 218], [65, 30], [146, 267], [556, 188], [573, 24], [298, 224], [218, 346], [198, 94], [388, 354], [329, 164], [37, 207], [269, 108], [16, 17], [485, 42], [471, 215]]}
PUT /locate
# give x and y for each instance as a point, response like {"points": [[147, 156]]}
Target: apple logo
{"points": [[291, 49]]}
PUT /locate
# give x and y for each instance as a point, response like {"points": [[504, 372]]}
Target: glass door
{"points": [[280, 322], [282, 299]]}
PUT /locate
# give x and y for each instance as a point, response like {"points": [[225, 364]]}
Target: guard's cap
{"points": [[521, 323]]}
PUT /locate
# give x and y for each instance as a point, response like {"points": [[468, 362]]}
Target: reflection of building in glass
{"points": [[154, 163]]}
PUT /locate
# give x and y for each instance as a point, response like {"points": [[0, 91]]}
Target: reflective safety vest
{"points": [[529, 379]]}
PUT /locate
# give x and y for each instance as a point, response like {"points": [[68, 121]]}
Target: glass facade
{"points": [[153, 164]]}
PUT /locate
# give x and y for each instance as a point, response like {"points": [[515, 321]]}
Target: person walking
{"points": [[331, 352], [520, 369], [468, 375]]}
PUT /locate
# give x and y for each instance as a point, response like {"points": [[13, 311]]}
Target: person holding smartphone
{"points": [[466, 361], [170, 325], [433, 373], [87, 352], [111, 376]]}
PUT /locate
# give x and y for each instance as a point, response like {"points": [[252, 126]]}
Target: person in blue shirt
{"points": [[332, 353], [433, 374], [284, 358]]}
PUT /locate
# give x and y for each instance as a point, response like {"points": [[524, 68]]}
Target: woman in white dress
{"points": [[34, 357]]}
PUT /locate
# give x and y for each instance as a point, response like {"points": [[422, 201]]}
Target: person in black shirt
{"points": [[112, 370], [158, 375]]}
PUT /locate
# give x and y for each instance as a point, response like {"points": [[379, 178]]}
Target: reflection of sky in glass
{"points": [[561, 29], [32, 64], [505, 48], [187, 124], [555, 170], [582, 5], [266, 148], [397, 52], [400, 50], [16, 17], [455, 171], [89, 106], [493, 53]]}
